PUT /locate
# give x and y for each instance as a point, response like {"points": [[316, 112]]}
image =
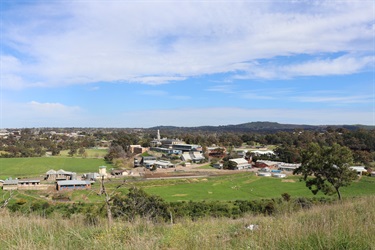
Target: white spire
{"points": [[158, 136]]}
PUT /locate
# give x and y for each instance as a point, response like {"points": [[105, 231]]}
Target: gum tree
{"points": [[326, 169]]}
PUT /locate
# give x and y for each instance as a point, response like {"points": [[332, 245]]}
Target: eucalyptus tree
{"points": [[326, 168]]}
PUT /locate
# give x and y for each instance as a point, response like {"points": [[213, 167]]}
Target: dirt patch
{"points": [[288, 181], [166, 175], [180, 195]]}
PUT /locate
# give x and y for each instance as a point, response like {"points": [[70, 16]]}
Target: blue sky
{"points": [[186, 63]]}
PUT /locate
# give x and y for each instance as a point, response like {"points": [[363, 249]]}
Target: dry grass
{"points": [[346, 225]]}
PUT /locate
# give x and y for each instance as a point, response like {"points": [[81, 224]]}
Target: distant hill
{"points": [[260, 127]]}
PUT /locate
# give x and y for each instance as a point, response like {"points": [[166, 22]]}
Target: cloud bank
{"points": [[49, 44]]}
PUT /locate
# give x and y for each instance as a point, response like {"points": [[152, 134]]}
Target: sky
{"points": [[147, 63]]}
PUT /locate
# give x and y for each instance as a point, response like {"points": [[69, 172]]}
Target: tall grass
{"points": [[344, 225]]}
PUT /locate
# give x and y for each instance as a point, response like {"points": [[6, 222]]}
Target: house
{"points": [[241, 163], [72, 185]]}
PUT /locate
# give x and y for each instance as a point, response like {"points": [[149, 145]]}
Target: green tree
{"points": [[115, 151], [81, 151], [326, 169], [228, 164], [72, 151]]}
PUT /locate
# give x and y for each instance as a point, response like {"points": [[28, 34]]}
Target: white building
{"points": [[358, 169], [241, 163]]}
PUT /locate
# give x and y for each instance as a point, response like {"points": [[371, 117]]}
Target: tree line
{"points": [[288, 144]]}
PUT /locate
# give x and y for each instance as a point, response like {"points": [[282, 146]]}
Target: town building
{"points": [[72, 185], [24, 184], [241, 163], [150, 162], [10, 184], [164, 142], [187, 147], [194, 157], [61, 174], [137, 149]]}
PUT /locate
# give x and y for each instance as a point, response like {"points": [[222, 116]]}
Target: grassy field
{"points": [[243, 187], [344, 225], [207, 166], [34, 167], [90, 153]]}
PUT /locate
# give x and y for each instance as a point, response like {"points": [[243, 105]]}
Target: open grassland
{"points": [[36, 166], [245, 186], [343, 225]]}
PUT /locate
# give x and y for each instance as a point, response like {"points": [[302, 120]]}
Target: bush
{"points": [[139, 203]]}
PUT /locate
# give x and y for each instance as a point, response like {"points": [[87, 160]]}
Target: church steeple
{"points": [[158, 136]]}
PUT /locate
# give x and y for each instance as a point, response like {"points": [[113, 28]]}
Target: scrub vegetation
{"points": [[344, 224]]}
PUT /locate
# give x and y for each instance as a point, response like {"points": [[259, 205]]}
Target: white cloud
{"points": [[337, 100], [54, 109], [156, 80], [343, 65], [159, 42], [40, 114], [339, 66]]}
